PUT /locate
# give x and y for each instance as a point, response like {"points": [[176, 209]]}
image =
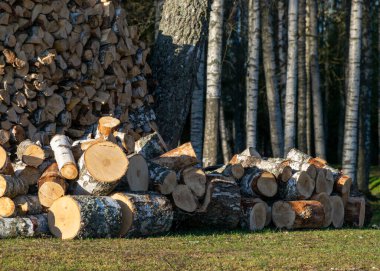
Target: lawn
{"points": [[344, 249]]}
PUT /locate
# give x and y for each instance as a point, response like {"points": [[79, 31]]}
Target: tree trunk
{"points": [[89, 217], [175, 62], [144, 214], [226, 149], [273, 99], [214, 77], [364, 157], [253, 70], [291, 78], [197, 106], [30, 226], [281, 44], [309, 134], [319, 134], [302, 86], [350, 147], [99, 174], [307, 214]]}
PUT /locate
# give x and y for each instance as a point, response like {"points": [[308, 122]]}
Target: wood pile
{"points": [[95, 188], [64, 64]]}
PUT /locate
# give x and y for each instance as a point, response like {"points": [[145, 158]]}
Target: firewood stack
{"points": [[64, 64]]}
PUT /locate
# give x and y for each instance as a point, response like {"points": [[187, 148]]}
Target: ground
{"points": [[344, 249]]}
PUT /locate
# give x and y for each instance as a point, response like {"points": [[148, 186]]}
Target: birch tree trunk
{"points": [[197, 107], [350, 145], [158, 4], [309, 134], [252, 79], [319, 134], [227, 153], [302, 87], [364, 157], [273, 99], [175, 62], [281, 44], [214, 75], [291, 78], [378, 83]]}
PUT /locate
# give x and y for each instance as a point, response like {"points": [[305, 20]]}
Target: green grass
{"points": [[345, 249]]}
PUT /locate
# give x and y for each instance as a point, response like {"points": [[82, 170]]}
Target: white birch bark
{"points": [[308, 80], [291, 78], [197, 107], [252, 80], [227, 153], [213, 92], [273, 99], [319, 133], [350, 145], [281, 44]]}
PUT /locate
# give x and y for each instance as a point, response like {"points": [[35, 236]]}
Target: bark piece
{"points": [[30, 153], [89, 217], [324, 198], [163, 180], [61, 146], [354, 213], [337, 211], [195, 179], [253, 214], [5, 163], [178, 158], [299, 187], [307, 214], [30, 226], [51, 186], [144, 214], [101, 168], [259, 182], [11, 186], [151, 146]]}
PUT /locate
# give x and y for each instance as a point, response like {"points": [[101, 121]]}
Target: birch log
{"points": [[324, 199], [253, 214], [163, 180], [30, 153], [151, 146], [12, 186], [144, 214], [89, 217], [51, 186], [61, 146], [30, 226], [5, 163], [259, 182], [300, 186]]}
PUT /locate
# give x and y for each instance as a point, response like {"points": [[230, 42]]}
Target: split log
{"points": [[11, 186], [137, 177], [51, 186], [101, 168], [195, 179], [106, 126], [162, 179], [308, 168], [259, 182], [29, 175], [354, 213], [89, 217], [30, 153], [253, 214], [127, 142], [324, 198], [178, 158], [6, 167], [299, 187], [60, 144], [144, 214], [220, 209], [151, 146], [184, 199], [306, 214], [30, 226], [337, 211]]}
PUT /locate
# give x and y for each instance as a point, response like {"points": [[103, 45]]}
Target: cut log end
{"points": [[49, 192], [69, 171], [267, 184], [324, 198], [286, 174], [257, 217], [107, 125], [237, 171], [105, 168], [305, 185], [137, 174], [7, 207], [126, 212], [184, 198], [64, 218], [355, 211], [337, 211], [169, 183], [33, 155], [283, 215]]}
